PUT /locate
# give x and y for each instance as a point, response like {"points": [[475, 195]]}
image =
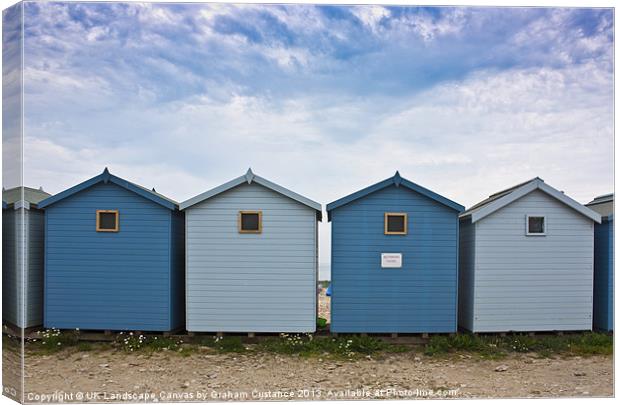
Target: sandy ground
{"points": [[207, 375], [324, 305]]}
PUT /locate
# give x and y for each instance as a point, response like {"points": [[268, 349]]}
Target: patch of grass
{"points": [[592, 343], [84, 347], [54, 340], [342, 346], [395, 348], [163, 343], [366, 344], [498, 346], [133, 342], [228, 344]]}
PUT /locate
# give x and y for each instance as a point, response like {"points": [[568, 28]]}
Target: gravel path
{"points": [[207, 375]]}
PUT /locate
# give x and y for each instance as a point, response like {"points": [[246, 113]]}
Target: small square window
{"points": [[250, 221], [395, 223], [536, 225], [107, 220]]}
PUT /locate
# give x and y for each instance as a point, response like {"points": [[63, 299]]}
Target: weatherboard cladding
{"points": [[126, 280], [466, 272], [419, 297], [527, 283], [245, 282], [22, 268], [604, 275], [23, 251], [603, 263]]}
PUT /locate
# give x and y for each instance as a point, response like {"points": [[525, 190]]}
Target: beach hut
{"points": [[114, 258], [603, 318], [251, 258], [394, 260], [22, 256], [526, 261]]}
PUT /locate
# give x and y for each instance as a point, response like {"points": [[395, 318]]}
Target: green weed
{"points": [[229, 344], [544, 345]]}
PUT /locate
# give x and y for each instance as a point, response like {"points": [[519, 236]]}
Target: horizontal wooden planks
{"points": [[108, 280], [420, 296], [251, 282], [533, 283]]}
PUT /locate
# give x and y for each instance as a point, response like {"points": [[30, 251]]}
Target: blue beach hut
{"points": [[22, 256], [114, 258], [603, 315], [394, 260]]}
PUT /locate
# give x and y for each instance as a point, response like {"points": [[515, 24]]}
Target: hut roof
{"points": [[107, 177], [31, 197], [398, 181], [249, 177], [502, 198]]}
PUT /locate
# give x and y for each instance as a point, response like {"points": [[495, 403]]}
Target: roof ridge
{"points": [[499, 200], [106, 177], [509, 189], [398, 181], [249, 178]]}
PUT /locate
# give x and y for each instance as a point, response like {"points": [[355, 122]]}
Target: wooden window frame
{"points": [[385, 223], [260, 222], [108, 212], [527, 225]]}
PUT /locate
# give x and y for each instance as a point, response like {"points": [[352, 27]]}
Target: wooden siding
{"points": [[12, 264], [177, 276], [35, 239], [533, 283], [108, 280], [604, 276], [467, 242], [419, 297], [251, 282], [23, 251]]}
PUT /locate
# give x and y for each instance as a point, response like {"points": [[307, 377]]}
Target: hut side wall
{"points": [[35, 239], [251, 282], [23, 234], [467, 264], [534, 283], [177, 275], [604, 275], [12, 243]]}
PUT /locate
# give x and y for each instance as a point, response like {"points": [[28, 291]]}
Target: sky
{"points": [[324, 100]]}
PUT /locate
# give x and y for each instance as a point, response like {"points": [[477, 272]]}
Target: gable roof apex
{"points": [[106, 177], [398, 181], [249, 177], [505, 197]]}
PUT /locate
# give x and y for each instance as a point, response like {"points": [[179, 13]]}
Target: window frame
{"points": [[385, 223], [240, 222], [527, 225], [98, 224]]}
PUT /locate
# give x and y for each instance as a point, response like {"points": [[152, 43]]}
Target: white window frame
{"points": [[527, 225]]}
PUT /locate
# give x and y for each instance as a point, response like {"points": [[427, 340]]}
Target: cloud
{"points": [[322, 99]]}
